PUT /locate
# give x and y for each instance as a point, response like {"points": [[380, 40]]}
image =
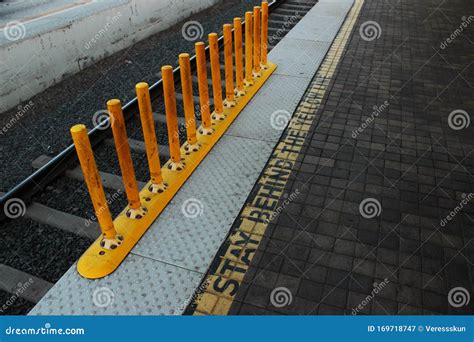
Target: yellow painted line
{"points": [[227, 273], [97, 262]]}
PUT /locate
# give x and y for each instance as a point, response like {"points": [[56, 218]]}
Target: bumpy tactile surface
{"points": [[140, 286]]}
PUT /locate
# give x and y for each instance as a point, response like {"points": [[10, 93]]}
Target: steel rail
{"points": [[39, 179]]}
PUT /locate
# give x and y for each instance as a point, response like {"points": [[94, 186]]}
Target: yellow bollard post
{"points": [[135, 211], [176, 164], [110, 238], [229, 67], [239, 72], [264, 56], [148, 126], [256, 42], [248, 49], [205, 104], [188, 101], [218, 113]]}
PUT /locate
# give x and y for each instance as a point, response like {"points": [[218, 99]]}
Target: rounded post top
{"points": [[78, 128]]}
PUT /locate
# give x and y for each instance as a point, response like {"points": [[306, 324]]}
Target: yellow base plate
{"points": [[97, 262]]}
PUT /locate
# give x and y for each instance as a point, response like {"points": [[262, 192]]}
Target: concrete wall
{"points": [[62, 44]]}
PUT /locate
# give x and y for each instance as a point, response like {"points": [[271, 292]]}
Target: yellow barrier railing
{"points": [[135, 209], [241, 84], [204, 102], [248, 49], [188, 101], [229, 67], [257, 52], [264, 56], [239, 66], [148, 125], [110, 239], [171, 118], [218, 113]]}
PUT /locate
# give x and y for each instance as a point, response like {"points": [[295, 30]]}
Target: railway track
{"points": [[50, 196]]}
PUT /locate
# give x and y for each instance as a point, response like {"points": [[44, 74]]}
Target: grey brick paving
{"points": [[408, 158]]}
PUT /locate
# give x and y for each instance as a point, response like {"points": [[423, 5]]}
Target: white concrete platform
{"points": [[166, 266]]}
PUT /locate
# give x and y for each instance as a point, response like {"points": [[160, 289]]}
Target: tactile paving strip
{"points": [[288, 90], [305, 62], [163, 271], [330, 16], [140, 286], [191, 229], [334, 9], [318, 34]]}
